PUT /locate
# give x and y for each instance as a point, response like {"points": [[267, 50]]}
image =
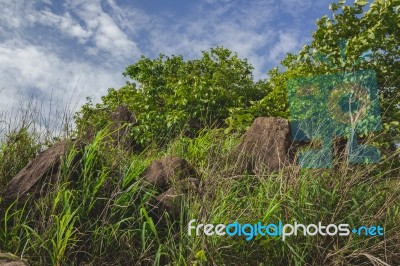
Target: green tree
{"points": [[371, 32], [169, 95]]}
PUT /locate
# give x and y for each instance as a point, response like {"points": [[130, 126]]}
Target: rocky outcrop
{"points": [[40, 171], [265, 146]]}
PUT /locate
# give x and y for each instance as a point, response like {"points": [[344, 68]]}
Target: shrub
{"points": [[170, 95]]}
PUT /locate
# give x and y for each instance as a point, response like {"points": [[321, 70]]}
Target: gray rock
{"points": [[170, 201], [167, 171], [265, 146], [40, 171]]}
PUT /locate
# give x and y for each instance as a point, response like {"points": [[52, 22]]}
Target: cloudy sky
{"points": [[60, 52]]}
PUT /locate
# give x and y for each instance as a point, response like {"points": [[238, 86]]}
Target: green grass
{"points": [[99, 216]]}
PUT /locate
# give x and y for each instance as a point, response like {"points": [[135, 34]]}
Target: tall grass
{"points": [[97, 212], [360, 195]]}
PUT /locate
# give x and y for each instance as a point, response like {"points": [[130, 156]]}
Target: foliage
{"points": [[103, 218], [169, 95], [371, 35], [275, 102], [97, 211], [16, 150]]}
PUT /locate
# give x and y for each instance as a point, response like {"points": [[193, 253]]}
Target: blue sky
{"points": [[64, 51]]}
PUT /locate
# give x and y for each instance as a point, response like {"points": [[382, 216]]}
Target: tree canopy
{"points": [[171, 96], [355, 37]]}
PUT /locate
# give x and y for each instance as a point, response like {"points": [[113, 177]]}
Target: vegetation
{"points": [[170, 96], [99, 215]]}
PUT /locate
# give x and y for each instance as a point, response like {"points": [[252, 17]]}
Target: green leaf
{"points": [[361, 2], [371, 35], [201, 256]]}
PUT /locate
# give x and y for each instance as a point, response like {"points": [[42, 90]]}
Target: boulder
{"points": [[175, 178], [38, 172], [170, 201], [167, 171], [265, 146]]}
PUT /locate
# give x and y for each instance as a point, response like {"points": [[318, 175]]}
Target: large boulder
{"points": [[37, 173], [265, 146], [167, 171]]}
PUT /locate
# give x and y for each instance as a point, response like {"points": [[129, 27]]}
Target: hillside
{"points": [[193, 162]]}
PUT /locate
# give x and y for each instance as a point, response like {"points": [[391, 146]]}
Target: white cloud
{"points": [[130, 19], [106, 34], [302, 8], [32, 67], [35, 65], [244, 31], [28, 70], [287, 42], [111, 35], [65, 23], [12, 15], [84, 20]]}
